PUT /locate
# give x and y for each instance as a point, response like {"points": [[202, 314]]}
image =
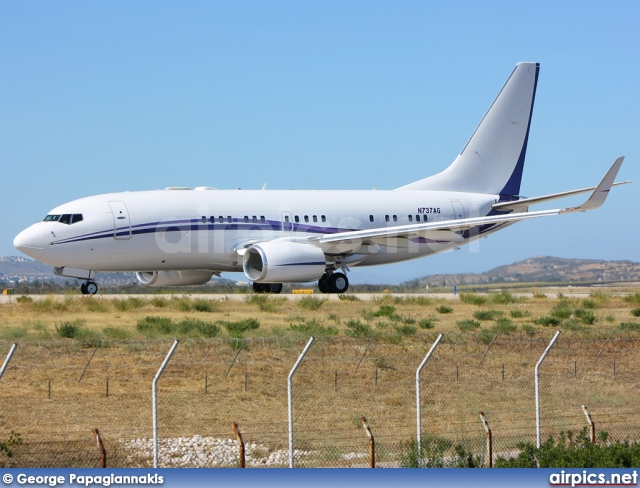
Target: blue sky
{"points": [[108, 96]]}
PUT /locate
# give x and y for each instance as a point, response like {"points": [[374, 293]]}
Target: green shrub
{"points": [[473, 298], [585, 316], [159, 302], [561, 312], [437, 452], [95, 304], [427, 323], [265, 303], [418, 300], [131, 303], [358, 329], [241, 326], [115, 333], [311, 303], [589, 304], [348, 298], [24, 299], [503, 326], [444, 309], [505, 298], [548, 321], [635, 312], [529, 329], [487, 314], [197, 327], [155, 325], [634, 299], [467, 325], [203, 305], [313, 328], [69, 330], [575, 452], [406, 330], [385, 311], [629, 326], [519, 314]]}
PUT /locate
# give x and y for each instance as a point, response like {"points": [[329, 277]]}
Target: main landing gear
{"points": [[89, 288], [333, 283], [274, 288]]}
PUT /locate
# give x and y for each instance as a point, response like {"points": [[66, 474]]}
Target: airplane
{"points": [[183, 236]]}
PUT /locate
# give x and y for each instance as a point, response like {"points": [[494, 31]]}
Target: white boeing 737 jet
{"points": [[183, 236]]}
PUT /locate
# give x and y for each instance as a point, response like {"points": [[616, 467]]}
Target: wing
{"points": [[451, 230]]}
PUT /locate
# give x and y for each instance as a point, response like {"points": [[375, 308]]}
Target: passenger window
{"points": [[296, 218], [315, 218], [262, 219], [386, 218], [323, 218], [410, 218], [286, 218], [220, 218], [204, 219], [417, 218], [65, 219], [370, 218], [255, 219], [229, 219], [246, 219], [395, 218], [306, 218]]}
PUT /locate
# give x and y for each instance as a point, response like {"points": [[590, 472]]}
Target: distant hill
{"points": [[542, 269]]}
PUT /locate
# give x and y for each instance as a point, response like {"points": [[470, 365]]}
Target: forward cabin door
{"points": [[121, 222]]}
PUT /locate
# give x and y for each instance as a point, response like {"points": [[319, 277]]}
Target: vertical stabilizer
{"points": [[493, 159]]}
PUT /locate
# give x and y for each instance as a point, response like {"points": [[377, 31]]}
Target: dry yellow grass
{"points": [[330, 396]]}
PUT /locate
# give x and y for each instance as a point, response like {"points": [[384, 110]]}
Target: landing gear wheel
{"points": [[323, 286], [260, 288], [338, 283], [274, 288], [89, 288]]}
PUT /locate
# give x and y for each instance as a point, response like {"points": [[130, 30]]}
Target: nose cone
{"points": [[30, 242]]}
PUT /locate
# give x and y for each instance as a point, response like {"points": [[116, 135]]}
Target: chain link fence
{"points": [[54, 394]]}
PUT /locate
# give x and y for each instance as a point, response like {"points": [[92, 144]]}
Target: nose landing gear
{"points": [[89, 288]]}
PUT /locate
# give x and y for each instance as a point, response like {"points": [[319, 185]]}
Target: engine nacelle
{"points": [[174, 277], [283, 262]]}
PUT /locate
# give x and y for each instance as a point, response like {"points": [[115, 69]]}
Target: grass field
{"points": [[235, 355]]}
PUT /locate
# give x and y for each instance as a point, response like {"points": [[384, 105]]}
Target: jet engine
{"points": [[283, 262], [174, 277]]}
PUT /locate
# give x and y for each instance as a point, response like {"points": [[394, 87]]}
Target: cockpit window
{"points": [[64, 219]]}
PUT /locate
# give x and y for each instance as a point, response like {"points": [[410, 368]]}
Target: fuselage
{"points": [[202, 229]]}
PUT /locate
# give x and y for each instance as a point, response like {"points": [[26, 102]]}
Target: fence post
{"points": [[103, 452], [236, 431], [154, 394], [537, 380], [372, 443], [592, 425], [489, 440], [418, 409], [8, 358], [290, 398]]}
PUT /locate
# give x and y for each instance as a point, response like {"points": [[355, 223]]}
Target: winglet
{"points": [[601, 192]]}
